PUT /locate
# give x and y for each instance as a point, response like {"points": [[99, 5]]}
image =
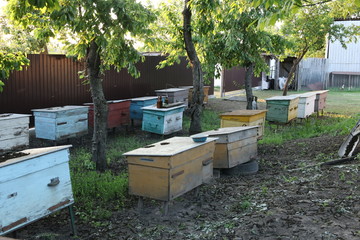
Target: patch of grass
{"points": [[312, 127], [210, 120], [93, 191]]}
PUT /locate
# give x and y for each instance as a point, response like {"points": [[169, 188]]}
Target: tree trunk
{"points": [[292, 71], [248, 85], [198, 93], [100, 107]]}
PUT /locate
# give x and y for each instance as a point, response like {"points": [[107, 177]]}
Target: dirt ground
{"points": [[290, 197]]}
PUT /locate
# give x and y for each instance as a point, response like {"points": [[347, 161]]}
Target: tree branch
{"points": [[314, 4]]}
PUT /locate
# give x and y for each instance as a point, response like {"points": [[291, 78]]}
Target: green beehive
{"points": [[282, 109]]}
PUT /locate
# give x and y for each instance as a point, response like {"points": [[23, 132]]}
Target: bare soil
{"points": [[290, 197]]}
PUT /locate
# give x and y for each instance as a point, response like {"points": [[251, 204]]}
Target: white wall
{"points": [[341, 59]]}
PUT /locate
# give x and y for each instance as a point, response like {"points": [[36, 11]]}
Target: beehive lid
{"points": [[228, 130], [144, 98], [304, 95], [168, 147], [32, 153], [164, 109], [110, 101], [320, 91], [58, 109], [244, 112], [290, 97], [9, 116], [170, 90]]}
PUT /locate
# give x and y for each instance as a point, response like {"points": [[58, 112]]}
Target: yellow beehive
{"points": [[242, 118], [170, 168]]}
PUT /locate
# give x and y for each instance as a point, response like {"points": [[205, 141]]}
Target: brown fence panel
{"points": [[52, 80], [234, 79]]}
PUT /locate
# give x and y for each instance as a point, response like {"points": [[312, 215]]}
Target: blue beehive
{"points": [[58, 123], [136, 113], [162, 120]]}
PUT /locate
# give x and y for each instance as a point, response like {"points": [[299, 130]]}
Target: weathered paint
{"points": [[320, 100], [306, 104], [241, 118], [137, 104], [118, 113], [282, 109], [14, 131], [170, 168], [234, 145], [34, 186], [58, 123], [174, 95], [162, 120]]}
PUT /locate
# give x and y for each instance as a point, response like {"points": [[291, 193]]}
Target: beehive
{"points": [[174, 95], [34, 185], [241, 118], [282, 109], [118, 113], [170, 168], [306, 104], [58, 123], [234, 145], [136, 112], [14, 131], [162, 120], [320, 100]]}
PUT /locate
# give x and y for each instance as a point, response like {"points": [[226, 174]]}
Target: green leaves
{"points": [[10, 62]]}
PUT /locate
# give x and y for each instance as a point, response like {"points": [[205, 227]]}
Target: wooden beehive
{"points": [[190, 92], [174, 95], [58, 123], [136, 112], [241, 118], [282, 109], [162, 120], [33, 186], [320, 100], [234, 145], [306, 104], [118, 113], [170, 168], [14, 131]]}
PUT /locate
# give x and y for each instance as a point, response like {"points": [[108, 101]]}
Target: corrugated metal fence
{"points": [[234, 79], [52, 80]]}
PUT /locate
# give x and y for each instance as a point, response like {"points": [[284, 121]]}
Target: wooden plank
{"points": [[232, 134], [242, 155], [149, 182], [177, 152]]}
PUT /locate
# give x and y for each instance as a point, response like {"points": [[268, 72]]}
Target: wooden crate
{"points": [[58, 123], [162, 120], [190, 90], [170, 168], [320, 100], [241, 118], [118, 113], [282, 109], [14, 131], [136, 112], [306, 104], [234, 145], [33, 186], [174, 95]]}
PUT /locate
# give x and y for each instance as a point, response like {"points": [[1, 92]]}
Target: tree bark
{"points": [[292, 71], [248, 85], [198, 94], [100, 107]]}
